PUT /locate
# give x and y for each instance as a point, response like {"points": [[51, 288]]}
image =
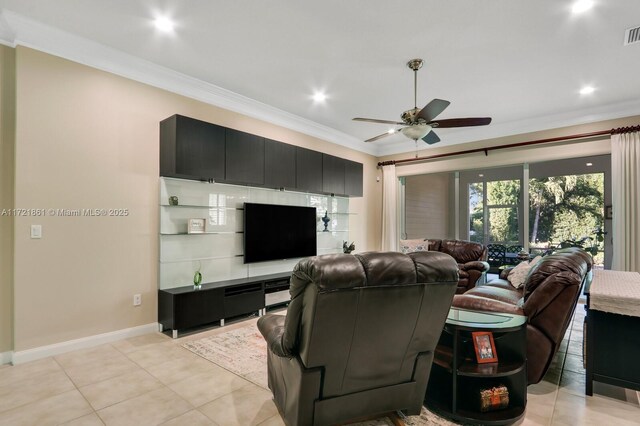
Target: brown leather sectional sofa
{"points": [[471, 258], [548, 298]]}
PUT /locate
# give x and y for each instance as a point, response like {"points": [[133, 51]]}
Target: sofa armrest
{"points": [[272, 329], [479, 303], [477, 265]]}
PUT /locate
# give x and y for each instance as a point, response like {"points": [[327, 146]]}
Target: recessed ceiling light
{"points": [[587, 90], [589, 164], [480, 175], [164, 24], [319, 97], [391, 131], [581, 6]]}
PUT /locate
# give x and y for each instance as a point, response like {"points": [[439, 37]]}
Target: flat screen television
{"points": [[275, 232]]}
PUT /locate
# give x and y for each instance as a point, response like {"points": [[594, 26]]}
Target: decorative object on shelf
{"points": [[197, 277], [484, 346], [348, 248], [326, 220], [173, 200], [493, 399], [196, 226]]}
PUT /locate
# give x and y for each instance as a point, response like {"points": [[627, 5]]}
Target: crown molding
{"points": [[17, 30], [534, 124]]}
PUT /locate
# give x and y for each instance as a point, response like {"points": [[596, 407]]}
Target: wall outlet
{"points": [[137, 299]]}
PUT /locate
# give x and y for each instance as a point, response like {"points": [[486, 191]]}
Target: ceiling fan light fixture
{"points": [[417, 131]]}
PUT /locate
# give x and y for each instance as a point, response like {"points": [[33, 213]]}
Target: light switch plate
{"points": [[36, 231]]}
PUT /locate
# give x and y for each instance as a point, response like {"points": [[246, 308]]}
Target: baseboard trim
{"points": [[21, 357], [6, 357]]}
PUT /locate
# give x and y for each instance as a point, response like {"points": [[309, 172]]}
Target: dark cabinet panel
{"points": [[308, 170], [244, 158], [332, 174], [198, 308], [353, 178], [242, 299], [279, 165], [192, 149]]}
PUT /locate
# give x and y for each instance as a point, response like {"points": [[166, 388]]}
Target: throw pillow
{"points": [[518, 275], [409, 246]]}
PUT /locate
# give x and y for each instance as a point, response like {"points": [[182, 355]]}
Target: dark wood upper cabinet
{"points": [[279, 165], [308, 170], [194, 149], [353, 178], [244, 158], [332, 175], [191, 149]]}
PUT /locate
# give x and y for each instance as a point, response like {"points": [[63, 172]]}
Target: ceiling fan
{"points": [[419, 123]]}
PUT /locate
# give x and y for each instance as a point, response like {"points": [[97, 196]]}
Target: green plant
{"points": [[590, 244], [197, 277]]}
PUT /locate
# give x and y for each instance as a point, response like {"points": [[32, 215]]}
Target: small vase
{"points": [[197, 279], [326, 221]]}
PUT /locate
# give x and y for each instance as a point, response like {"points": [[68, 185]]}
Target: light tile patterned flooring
{"points": [[151, 380]]}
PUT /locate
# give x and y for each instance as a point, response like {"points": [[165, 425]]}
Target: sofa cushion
{"points": [[463, 251], [504, 284], [434, 245], [410, 246], [499, 293], [571, 260], [518, 275]]}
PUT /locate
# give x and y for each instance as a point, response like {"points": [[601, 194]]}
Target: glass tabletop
{"points": [[479, 319]]}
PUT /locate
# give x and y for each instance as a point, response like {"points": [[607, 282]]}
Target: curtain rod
{"points": [[514, 145]]}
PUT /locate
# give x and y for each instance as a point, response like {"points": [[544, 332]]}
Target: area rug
{"points": [[243, 351]]}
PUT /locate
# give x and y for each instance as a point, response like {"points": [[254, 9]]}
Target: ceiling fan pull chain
{"points": [[416, 141]]}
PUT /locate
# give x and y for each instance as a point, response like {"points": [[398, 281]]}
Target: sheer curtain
{"points": [[389, 208], [625, 194]]}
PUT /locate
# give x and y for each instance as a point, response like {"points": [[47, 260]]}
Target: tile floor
{"points": [[152, 380]]}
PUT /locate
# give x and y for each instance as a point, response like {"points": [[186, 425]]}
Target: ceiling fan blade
{"points": [[461, 122], [433, 109], [375, 138], [375, 120], [431, 138]]}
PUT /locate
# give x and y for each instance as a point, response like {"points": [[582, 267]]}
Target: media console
{"points": [[186, 307]]}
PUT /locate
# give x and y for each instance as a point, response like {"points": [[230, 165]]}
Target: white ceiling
{"points": [[521, 62]]}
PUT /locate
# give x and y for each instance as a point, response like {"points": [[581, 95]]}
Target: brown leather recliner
{"points": [[359, 335], [471, 258], [548, 299]]}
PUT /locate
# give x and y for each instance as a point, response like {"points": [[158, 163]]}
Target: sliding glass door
{"points": [[567, 200]]}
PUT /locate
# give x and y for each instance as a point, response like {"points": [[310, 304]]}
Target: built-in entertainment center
{"points": [[249, 235]]}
